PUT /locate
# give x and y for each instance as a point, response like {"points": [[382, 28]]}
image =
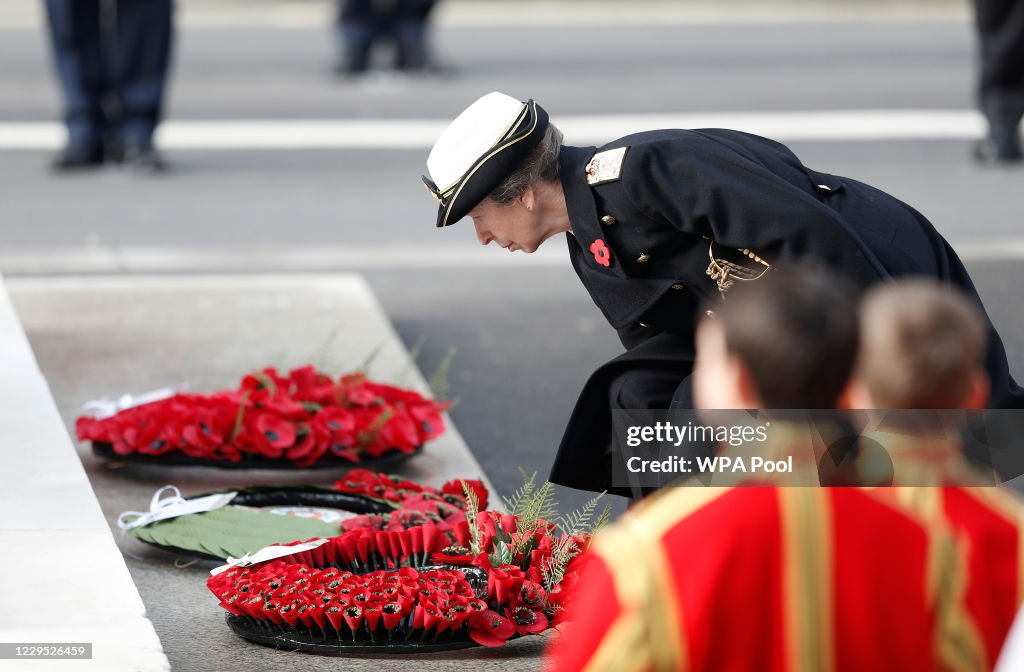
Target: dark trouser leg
{"points": [[80, 61], [1001, 81], [358, 28], [143, 37], [411, 33]]}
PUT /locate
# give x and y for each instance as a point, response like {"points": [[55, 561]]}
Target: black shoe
{"points": [[430, 67], [113, 150], [141, 156], [990, 153], [355, 61], [78, 156]]}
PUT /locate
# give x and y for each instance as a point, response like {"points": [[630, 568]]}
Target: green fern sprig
{"points": [[553, 569], [517, 502], [536, 509], [369, 435], [364, 368], [578, 521], [321, 360], [404, 378], [440, 386], [602, 520], [541, 505]]}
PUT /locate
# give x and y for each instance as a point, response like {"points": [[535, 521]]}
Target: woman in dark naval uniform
{"points": [[659, 226]]}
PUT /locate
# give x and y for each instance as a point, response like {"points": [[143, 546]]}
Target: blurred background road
{"points": [[289, 196]]}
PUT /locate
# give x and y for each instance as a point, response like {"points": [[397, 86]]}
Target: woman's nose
{"points": [[483, 237]]}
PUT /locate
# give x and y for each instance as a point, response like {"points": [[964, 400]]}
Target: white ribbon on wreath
{"points": [[171, 505], [107, 407], [268, 553]]}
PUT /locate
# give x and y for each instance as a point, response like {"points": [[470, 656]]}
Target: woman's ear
{"points": [[528, 198]]}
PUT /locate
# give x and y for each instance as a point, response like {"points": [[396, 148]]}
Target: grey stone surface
{"points": [[52, 522], [96, 338]]}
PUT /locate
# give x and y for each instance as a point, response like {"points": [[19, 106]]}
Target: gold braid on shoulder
{"points": [[726, 273]]}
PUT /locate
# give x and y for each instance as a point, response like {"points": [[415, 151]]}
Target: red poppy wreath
{"points": [[299, 420], [482, 581]]}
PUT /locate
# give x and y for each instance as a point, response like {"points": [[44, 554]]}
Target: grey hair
{"points": [[540, 166]]}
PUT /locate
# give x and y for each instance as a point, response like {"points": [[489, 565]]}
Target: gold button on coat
{"points": [[677, 286], [608, 220], [643, 258]]}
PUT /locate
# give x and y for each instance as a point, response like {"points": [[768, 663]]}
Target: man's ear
{"points": [[979, 392], [846, 397], [854, 396], [746, 387]]}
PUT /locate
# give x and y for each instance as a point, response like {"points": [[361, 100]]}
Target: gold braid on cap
{"points": [[726, 273]]}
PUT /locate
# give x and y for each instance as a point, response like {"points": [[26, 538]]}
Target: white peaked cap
{"points": [[472, 134], [481, 147]]}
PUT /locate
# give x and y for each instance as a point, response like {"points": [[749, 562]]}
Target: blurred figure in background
{"points": [[1001, 81], [364, 23], [112, 57], [922, 347]]}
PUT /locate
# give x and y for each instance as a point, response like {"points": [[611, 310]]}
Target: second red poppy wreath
{"points": [[303, 419]]}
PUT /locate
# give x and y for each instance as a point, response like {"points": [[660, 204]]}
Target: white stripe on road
{"points": [[825, 125], [59, 261], [281, 260], [292, 15]]}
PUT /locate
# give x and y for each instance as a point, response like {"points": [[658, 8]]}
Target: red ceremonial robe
{"points": [[769, 579]]}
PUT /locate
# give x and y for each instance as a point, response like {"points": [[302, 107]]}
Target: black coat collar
{"points": [[583, 216], [620, 297]]}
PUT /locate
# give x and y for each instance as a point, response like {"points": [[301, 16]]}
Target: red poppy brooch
{"points": [[602, 254]]}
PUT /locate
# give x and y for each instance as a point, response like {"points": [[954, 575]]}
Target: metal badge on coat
{"points": [[606, 166]]}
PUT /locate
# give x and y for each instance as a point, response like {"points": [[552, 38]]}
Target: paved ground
{"points": [[526, 333], [101, 337]]}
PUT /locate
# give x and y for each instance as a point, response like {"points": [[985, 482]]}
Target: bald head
{"points": [[922, 346]]}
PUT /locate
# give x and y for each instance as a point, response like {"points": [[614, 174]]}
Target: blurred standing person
{"points": [[364, 23], [1001, 81], [411, 34], [112, 58]]}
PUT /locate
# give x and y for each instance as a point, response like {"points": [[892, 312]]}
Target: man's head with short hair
{"points": [[922, 346], [785, 341]]}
